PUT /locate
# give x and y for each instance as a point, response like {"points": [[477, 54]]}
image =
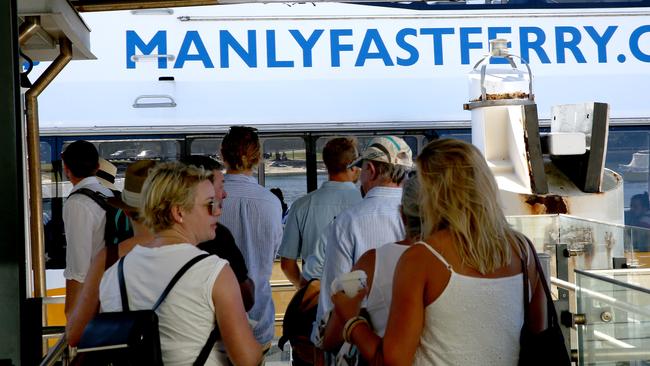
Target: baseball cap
{"points": [[386, 149]]}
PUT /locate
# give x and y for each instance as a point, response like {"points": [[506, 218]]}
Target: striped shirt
{"points": [[310, 214], [254, 216], [367, 225]]}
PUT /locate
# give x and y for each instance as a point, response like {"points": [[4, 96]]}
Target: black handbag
{"points": [[130, 337], [546, 347]]}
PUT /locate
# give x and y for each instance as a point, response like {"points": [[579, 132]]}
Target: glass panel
{"points": [[48, 178], [460, 135], [591, 244], [627, 154], [616, 305], [210, 147], [123, 152], [285, 166]]}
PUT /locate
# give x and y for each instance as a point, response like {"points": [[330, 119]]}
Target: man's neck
{"points": [[340, 177], [248, 172], [75, 180]]}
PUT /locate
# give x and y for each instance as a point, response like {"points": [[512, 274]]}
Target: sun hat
{"points": [[134, 178], [106, 174]]}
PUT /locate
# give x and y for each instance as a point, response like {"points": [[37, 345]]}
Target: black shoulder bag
{"points": [[546, 347], [130, 337]]}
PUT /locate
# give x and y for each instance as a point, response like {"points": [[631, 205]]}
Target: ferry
{"points": [[167, 82]]}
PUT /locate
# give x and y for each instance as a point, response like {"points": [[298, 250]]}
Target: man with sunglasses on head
{"points": [[254, 216]]}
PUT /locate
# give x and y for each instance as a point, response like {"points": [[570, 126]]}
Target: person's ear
{"points": [[372, 170], [177, 214]]}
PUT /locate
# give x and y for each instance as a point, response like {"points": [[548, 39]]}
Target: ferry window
{"points": [[460, 135], [48, 180], [285, 166], [47, 171], [123, 152], [207, 146], [627, 154]]}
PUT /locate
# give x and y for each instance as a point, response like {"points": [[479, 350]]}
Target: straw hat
{"points": [[134, 178], [106, 174]]}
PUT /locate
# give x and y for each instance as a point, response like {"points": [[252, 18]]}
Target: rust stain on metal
{"points": [[551, 204]]}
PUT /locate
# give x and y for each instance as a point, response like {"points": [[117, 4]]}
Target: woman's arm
{"points": [[87, 304], [406, 318], [236, 333], [333, 339]]}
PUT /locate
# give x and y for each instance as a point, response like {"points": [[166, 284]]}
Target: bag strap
{"points": [[98, 197], [177, 277], [120, 277], [101, 200], [552, 314], [207, 347]]}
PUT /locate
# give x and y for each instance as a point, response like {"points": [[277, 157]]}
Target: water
{"points": [[292, 186]]}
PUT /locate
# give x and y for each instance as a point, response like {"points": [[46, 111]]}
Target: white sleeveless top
{"points": [[186, 317], [474, 321], [381, 292]]}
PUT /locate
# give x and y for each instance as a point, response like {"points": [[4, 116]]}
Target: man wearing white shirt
{"points": [[374, 221], [83, 218]]}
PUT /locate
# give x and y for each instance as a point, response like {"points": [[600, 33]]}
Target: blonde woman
{"points": [[458, 294], [181, 209]]}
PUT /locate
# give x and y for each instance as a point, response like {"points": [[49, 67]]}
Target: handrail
{"points": [[604, 298], [55, 353]]}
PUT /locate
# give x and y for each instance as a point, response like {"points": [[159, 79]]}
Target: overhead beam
{"points": [[99, 5]]}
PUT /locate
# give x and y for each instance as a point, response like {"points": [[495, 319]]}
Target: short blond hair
{"points": [[459, 193], [168, 185]]}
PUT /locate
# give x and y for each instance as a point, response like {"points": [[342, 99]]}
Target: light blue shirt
{"points": [[254, 216], [371, 223], [311, 213]]}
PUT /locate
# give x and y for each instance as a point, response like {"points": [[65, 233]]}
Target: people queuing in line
{"points": [[83, 219], [450, 289], [419, 246], [379, 265], [180, 209], [254, 216], [372, 222], [310, 214], [130, 202]]}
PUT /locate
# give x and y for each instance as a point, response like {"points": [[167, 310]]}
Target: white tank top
{"points": [[186, 317], [381, 292], [474, 321]]}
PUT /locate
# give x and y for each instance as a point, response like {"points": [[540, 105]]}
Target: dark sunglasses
{"points": [[213, 207]]}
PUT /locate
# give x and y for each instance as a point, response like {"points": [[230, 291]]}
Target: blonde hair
{"points": [[168, 185], [460, 194]]}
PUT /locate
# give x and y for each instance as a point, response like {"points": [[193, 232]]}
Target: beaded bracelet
{"points": [[349, 326]]}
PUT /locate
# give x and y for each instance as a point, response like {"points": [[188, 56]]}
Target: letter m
{"points": [[159, 41]]}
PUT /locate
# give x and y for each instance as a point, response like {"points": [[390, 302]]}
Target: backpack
{"points": [[298, 320], [131, 337], [118, 227]]}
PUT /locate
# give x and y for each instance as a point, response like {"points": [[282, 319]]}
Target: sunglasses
{"points": [[213, 207]]}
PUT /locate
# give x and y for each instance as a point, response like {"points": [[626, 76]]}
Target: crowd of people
{"points": [[441, 261]]}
